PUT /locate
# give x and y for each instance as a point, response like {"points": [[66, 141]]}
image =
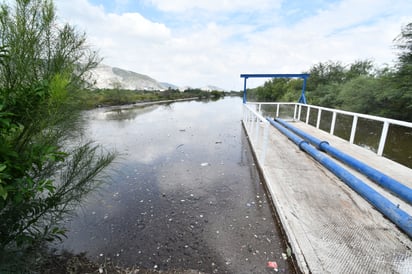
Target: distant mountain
{"points": [[211, 88], [168, 85], [107, 77]]}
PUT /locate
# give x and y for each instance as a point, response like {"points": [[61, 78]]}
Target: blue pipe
{"points": [[394, 186], [386, 207]]}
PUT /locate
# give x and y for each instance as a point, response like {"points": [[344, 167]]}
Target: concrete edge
{"points": [[299, 257]]}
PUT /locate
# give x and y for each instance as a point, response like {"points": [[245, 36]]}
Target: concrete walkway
{"points": [[330, 228]]}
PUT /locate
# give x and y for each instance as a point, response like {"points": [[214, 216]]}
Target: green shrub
{"points": [[44, 170]]}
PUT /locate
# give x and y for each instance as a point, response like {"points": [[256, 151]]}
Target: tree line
{"points": [[91, 98], [358, 87]]}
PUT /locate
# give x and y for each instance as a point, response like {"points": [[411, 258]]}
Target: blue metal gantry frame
{"points": [[302, 98]]}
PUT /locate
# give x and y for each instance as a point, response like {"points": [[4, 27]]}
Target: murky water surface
{"points": [[184, 194]]}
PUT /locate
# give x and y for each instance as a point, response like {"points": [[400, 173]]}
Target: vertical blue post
{"points": [[302, 98], [244, 91]]}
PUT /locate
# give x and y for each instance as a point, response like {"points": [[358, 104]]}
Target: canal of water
{"points": [[184, 193]]}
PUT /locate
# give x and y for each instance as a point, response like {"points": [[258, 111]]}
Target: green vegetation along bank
{"points": [[42, 178], [91, 98]]}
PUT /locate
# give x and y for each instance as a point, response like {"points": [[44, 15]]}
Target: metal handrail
{"points": [[252, 121], [297, 115]]}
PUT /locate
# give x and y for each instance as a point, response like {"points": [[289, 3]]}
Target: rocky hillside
{"points": [[106, 77]]}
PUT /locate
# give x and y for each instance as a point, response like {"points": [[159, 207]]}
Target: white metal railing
{"points": [[253, 122], [298, 110]]}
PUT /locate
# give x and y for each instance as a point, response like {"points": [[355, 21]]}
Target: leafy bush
{"points": [[45, 171]]}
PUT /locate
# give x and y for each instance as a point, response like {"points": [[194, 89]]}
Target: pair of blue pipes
{"points": [[381, 203]]}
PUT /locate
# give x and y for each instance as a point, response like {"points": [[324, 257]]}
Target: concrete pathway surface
{"points": [[331, 228]]}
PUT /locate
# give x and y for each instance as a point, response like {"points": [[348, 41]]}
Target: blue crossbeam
{"points": [[277, 75], [304, 76]]}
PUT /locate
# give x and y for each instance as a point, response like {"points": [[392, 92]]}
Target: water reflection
{"points": [[185, 192], [126, 113]]}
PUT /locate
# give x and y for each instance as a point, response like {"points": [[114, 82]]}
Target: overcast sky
{"points": [[211, 42]]}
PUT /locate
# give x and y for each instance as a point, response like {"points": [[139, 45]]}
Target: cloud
{"points": [[198, 43], [99, 22], [214, 5], [331, 34], [122, 38]]}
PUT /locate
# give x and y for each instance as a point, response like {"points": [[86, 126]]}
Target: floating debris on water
{"points": [[289, 251], [273, 264], [181, 200]]}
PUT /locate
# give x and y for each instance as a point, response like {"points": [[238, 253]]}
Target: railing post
{"points": [[353, 131], [257, 126], [260, 108], [277, 110], [249, 120], [299, 112], [383, 138], [246, 116], [265, 142], [245, 110], [307, 115], [294, 112], [252, 124], [332, 126], [319, 116]]}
